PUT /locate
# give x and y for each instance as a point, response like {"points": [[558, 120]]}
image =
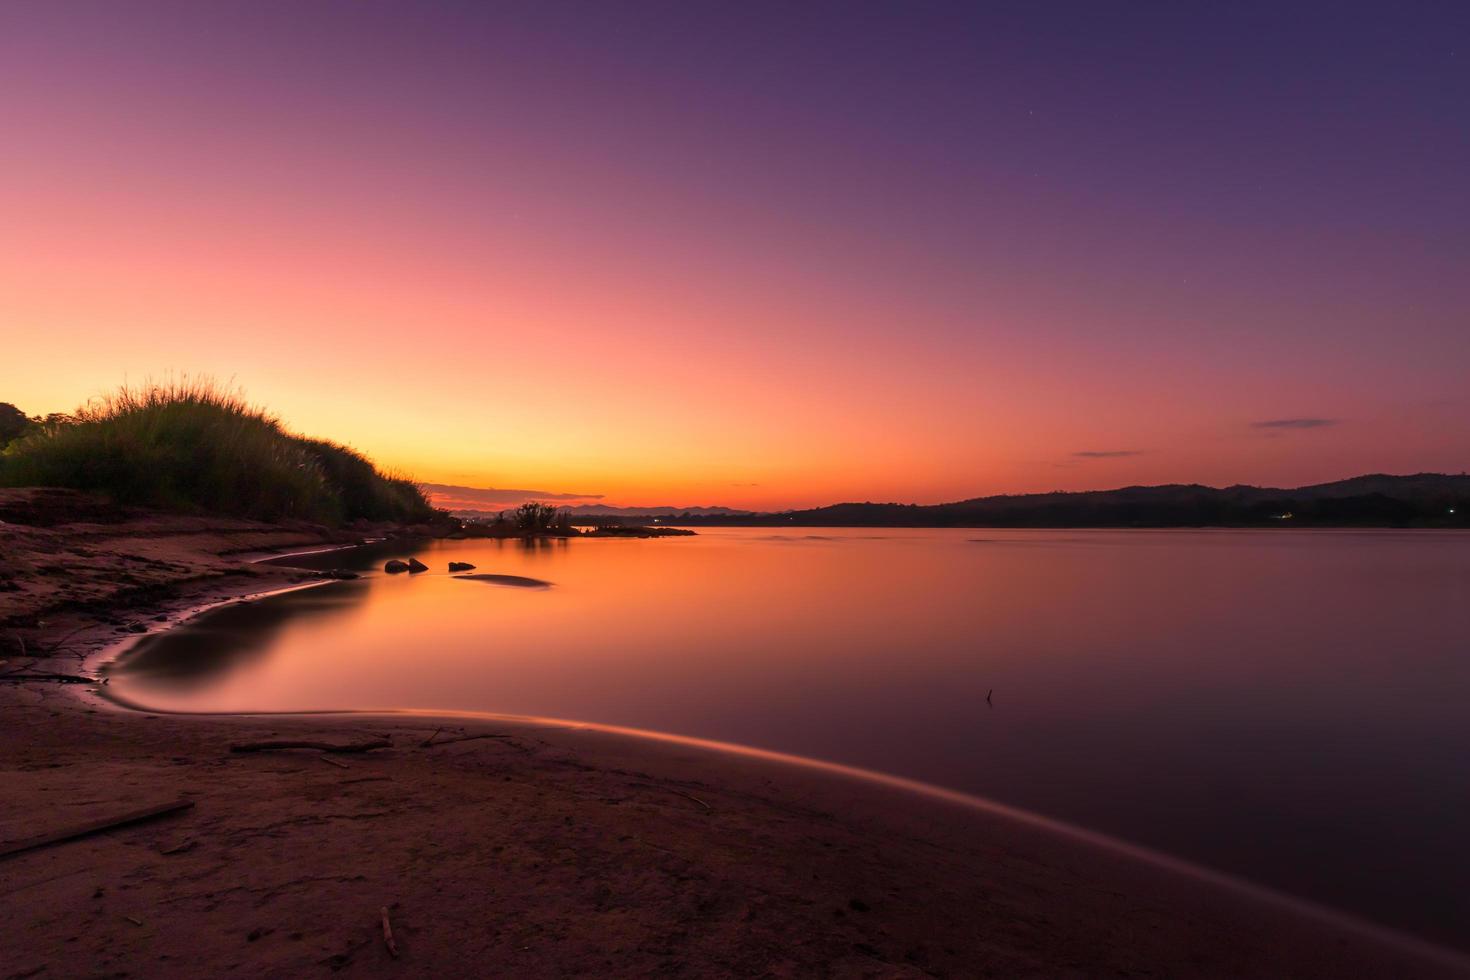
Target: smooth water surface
{"points": [[1291, 706]]}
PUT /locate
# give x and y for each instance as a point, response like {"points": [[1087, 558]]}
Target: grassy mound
{"points": [[194, 446]]}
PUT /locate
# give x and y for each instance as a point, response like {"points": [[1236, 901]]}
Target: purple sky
{"points": [[912, 250]]}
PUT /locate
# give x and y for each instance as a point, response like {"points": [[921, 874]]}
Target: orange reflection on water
{"points": [[1225, 696]]}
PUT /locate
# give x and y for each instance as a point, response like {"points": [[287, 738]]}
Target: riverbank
{"points": [[76, 560], [503, 847]]}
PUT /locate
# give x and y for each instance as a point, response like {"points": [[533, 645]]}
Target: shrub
{"points": [[13, 422], [534, 516], [192, 445]]}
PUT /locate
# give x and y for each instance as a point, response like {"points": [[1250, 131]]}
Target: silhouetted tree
{"points": [[13, 422], [533, 516]]}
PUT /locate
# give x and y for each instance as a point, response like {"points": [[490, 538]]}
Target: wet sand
{"points": [[525, 848]]}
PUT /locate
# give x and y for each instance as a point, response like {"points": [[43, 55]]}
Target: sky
{"points": [[758, 255]]}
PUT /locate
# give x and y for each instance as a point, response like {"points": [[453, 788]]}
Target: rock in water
{"points": [[415, 566], [460, 566], [517, 581], [394, 566]]}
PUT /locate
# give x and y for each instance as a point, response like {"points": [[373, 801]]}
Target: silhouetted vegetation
{"points": [[1422, 500], [13, 423], [536, 517], [529, 520], [192, 445], [636, 531]]}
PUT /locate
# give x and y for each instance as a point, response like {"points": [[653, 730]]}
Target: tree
{"points": [[533, 516], [13, 422]]}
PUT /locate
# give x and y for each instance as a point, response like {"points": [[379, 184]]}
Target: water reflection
{"points": [[1289, 706], [202, 652]]}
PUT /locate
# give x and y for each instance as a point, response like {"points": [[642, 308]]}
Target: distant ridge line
{"points": [[1375, 500]]}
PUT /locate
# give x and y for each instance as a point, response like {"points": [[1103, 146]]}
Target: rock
{"points": [[394, 566], [415, 566], [338, 573], [461, 566], [516, 581]]}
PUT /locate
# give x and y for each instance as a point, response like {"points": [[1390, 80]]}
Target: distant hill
{"points": [[1376, 500]]}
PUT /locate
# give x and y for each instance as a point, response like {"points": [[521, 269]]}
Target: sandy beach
{"points": [[520, 847]]}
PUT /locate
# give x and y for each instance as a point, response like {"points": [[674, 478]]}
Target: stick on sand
{"points": [[94, 827], [379, 743], [388, 934]]}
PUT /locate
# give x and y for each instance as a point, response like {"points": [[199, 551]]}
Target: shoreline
{"points": [[1021, 894]]}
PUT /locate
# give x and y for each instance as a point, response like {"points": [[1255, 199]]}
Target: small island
{"points": [[635, 531], [537, 520]]}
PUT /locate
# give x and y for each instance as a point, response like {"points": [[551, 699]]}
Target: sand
{"points": [[541, 850]]}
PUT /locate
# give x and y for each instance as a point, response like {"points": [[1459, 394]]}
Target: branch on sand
{"points": [[26, 676], [431, 741], [388, 933], [94, 827], [274, 746], [676, 792]]}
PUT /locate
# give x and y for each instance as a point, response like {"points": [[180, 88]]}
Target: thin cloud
{"points": [[493, 492], [493, 498], [1108, 453], [1294, 423]]}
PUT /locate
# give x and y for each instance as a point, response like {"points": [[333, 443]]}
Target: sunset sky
{"points": [[761, 255]]}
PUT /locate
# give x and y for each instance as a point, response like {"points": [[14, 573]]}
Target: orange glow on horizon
{"points": [[469, 274]]}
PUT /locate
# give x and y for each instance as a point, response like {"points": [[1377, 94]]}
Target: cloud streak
{"points": [[1294, 423], [492, 498], [1108, 453]]}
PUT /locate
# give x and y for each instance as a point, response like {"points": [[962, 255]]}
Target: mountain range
{"points": [[1423, 499]]}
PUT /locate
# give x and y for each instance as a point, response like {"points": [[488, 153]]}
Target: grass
{"points": [[195, 446]]}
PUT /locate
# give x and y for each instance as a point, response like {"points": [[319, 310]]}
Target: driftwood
{"points": [[388, 933], [458, 738], [688, 797], [94, 827], [676, 792], [378, 743], [334, 762], [25, 675]]}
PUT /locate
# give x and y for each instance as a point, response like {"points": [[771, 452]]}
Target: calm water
{"points": [[1290, 706]]}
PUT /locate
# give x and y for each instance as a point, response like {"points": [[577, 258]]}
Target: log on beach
{"points": [[275, 746], [93, 827]]}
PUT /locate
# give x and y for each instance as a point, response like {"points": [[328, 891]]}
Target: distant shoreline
{"points": [[1274, 526], [1435, 500]]}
